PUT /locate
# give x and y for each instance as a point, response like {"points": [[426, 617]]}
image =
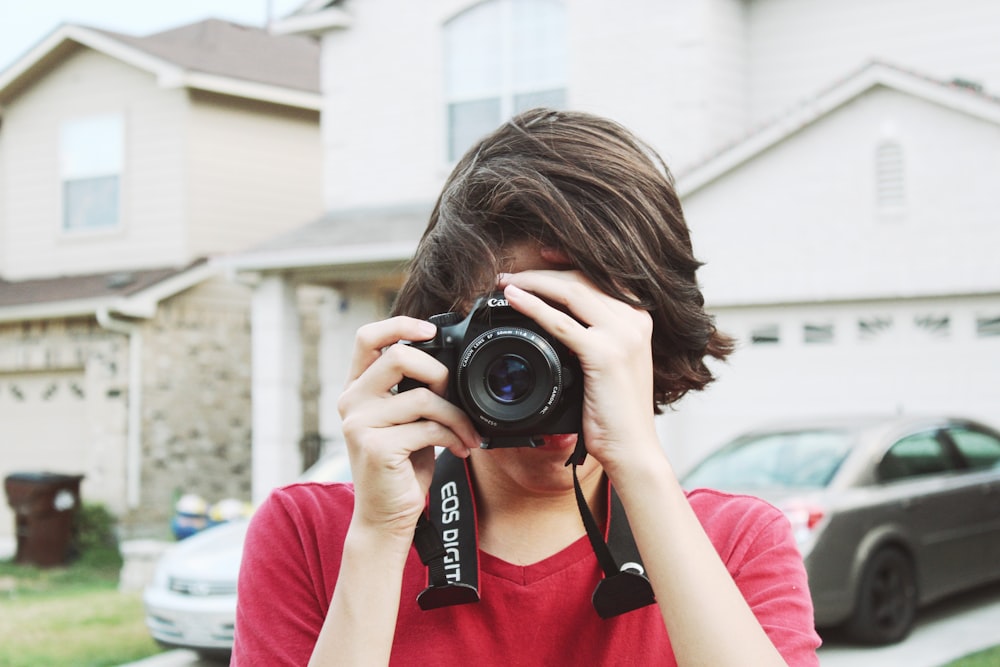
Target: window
{"points": [[933, 326], [817, 333], [980, 450], [988, 326], [873, 328], [502, 57], [913, 456], [767, 334], [90, 164]]}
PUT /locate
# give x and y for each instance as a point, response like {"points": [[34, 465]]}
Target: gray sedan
{"points": [[889, 513]]}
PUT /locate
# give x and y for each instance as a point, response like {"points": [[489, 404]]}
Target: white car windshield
{"points": [[793, 459]]}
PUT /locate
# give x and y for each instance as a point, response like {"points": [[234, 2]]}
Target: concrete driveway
{"points": [[944, 632]]}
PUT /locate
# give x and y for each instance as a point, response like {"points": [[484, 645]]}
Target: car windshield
{"points": [[790, 459]]}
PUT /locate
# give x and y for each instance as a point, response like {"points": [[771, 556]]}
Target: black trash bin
{"points": [[45, 506]]}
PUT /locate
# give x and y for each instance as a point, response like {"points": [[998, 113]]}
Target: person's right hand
{"points": [[391, 437]]}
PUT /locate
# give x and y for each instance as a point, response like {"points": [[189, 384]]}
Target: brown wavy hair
{"points": [[587, 186]]}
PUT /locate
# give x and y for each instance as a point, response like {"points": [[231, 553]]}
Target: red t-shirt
{"points": [[529, 615]]}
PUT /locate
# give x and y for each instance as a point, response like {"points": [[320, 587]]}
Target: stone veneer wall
{"points": [[196, 397], [195, 403]]}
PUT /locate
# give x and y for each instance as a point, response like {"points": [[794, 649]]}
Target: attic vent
{"points": [[119, 280], [890, 191]]}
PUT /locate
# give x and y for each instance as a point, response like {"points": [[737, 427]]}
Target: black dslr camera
{"points": [[513, 379]]}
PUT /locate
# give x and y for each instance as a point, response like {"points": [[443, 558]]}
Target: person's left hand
{"points": [[613, 342]]}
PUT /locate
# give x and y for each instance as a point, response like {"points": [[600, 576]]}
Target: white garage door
{"points": [[43, 427]]}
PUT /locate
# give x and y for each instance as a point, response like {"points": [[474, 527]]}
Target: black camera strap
{"points": [[446, 539]]}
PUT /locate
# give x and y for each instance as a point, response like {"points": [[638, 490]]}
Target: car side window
{"points": [[913, 456], [980, 450]]}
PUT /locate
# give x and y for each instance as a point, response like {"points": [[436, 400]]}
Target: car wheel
{"points": [[887, 599]]}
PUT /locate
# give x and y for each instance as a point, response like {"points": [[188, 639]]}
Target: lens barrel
{"points": [[509, 377]]}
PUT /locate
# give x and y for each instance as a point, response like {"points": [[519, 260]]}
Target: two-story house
{"points": [[835, 160], [126, 164]]}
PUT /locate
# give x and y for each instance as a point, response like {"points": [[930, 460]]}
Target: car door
{"points": [[921, 472], [980, 453]]}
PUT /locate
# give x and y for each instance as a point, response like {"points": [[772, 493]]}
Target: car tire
{"points": [[886, 605]]}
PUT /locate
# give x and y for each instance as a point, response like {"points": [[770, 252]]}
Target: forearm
{"points": [[707, 618], [361, 622]]}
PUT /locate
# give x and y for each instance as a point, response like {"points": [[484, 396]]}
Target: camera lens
{"points": [[509, 378]]}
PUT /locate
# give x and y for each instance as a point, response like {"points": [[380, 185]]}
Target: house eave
{"points": [[141, 305], [873, 75], [331, 18], [93, 40], [281, 261], [247, 90], [874, 297], [167, 74]]}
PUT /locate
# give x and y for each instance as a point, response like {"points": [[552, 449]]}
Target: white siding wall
{"points": [[635, 60], [906, 369], [383, 127], [800, 47], [799, 226], [384, 122], [799, 223], [152, 202], [253, 171]]}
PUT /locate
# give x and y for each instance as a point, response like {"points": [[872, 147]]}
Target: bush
{"points": [[96, 537]]}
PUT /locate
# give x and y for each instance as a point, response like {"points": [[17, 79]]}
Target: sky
{"points": [[25, 23]]}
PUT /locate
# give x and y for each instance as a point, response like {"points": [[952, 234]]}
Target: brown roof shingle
{"points": [[214, 46], [84, 287]]}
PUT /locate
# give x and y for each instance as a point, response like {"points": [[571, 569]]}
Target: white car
{"points": [[191, 602]]}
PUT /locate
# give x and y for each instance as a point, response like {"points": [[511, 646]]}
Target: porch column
{"points": [[276, 386], [342, 312]]}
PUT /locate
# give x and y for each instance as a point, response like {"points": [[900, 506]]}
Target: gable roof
{"points": [[213, 55], [956, 95], [130, 293]]}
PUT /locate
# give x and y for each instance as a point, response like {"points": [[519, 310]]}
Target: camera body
{"points": [[514, 380]]}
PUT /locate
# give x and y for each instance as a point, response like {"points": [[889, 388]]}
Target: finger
{"points": [[564, 327], [403, 361], [418, 405], [447, 427], [370, 339], [569, 290]]}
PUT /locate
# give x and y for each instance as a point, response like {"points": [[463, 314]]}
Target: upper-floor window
{"points": [[91, 152], [502, 57]]}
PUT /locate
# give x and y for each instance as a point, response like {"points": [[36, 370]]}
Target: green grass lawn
{"points": [[988, 658], [69, 617]]}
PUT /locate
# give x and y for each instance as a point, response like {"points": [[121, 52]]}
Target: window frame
{"points": [[74, 134], [508, 89]]}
